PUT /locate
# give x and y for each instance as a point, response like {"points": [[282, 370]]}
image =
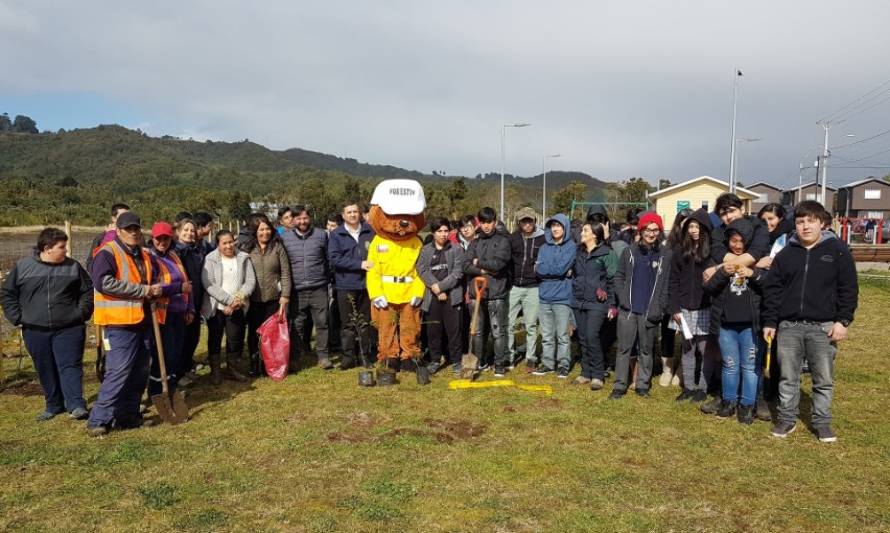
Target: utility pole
{"points": [[735, 99], [823, 165], [504, 127]]}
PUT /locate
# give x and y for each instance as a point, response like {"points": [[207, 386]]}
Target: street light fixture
{"points": [[735, 161], [544, 192], [504, 157]]}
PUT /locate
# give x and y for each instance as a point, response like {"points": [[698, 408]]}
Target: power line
{"points": [[877, 91], [838, 147], [884, 151], [863, 110]]}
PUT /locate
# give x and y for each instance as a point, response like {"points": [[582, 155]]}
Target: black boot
{"points": [[727, 409], [232, 371], [746, 414], [215, 370], [254, 365]]}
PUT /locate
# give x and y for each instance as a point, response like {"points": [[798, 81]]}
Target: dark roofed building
{"points": [[868, 198]]}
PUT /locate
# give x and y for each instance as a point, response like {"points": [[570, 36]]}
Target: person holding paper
{"points": [[690, 306]]}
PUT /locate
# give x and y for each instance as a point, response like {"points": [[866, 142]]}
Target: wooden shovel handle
{"points": [[161, 363]]}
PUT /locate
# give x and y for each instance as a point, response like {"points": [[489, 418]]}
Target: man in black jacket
{"points": [[524, 245], [810, 296], [51, 297], [489, 256]]}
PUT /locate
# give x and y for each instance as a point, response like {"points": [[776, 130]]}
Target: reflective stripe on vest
{"points": [[114, 311]]}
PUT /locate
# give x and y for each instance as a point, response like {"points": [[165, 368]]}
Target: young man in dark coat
{"points": [[810, 297], [489, 255]]}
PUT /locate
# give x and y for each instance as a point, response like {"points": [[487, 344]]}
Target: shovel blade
{"points": [[468, 365], [164, 407], [180, 408]]}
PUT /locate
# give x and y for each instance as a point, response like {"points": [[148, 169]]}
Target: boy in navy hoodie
{"points": [[810, 296]]}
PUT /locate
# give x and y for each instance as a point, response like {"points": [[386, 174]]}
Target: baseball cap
{"points": [[160, 229], [127, 219], [525, 212]]}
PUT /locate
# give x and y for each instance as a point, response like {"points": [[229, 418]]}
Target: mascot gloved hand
{"points": [[393, 283]]}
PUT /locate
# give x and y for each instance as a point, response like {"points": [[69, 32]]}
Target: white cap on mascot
{"points": [[399, 197]]}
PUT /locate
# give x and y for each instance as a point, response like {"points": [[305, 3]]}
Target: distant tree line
{"points": [[20, 124]]}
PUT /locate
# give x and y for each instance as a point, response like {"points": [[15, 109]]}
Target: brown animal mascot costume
{"points": [[394, 288]]}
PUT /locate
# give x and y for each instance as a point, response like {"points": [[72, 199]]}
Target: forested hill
{"points": [[347, 165], [76, 175]]}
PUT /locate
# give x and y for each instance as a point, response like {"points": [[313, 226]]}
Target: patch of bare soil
{"points": [[549, 402], [338, 436], [23, 388]]}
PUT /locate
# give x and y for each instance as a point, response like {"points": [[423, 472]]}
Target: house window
{"points": [[811, 196], [761, 198], [872, 194], [704, 205], [874, 214]]}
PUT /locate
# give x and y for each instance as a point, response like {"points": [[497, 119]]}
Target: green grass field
{"points": [[317, 453]]}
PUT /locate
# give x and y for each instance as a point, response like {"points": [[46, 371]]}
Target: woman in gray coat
{"points": [[440, 266], [229, 280]]}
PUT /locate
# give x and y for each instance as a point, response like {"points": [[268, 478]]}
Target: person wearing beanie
{"points": [[525, 243], [641, 283], [597, 215]]}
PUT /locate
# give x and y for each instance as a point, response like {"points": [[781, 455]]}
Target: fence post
{"points": [[69, 245]]}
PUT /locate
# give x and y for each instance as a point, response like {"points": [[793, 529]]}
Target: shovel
{"points": [[470, 361], [100, 355], [172, 408], [769, 351]]}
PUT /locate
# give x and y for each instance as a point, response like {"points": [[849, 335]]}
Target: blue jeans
{"points": [[58, 359], [740, 349], [555, 339]]}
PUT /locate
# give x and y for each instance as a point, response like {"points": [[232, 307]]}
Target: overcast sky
{"points": [[621, 88]]}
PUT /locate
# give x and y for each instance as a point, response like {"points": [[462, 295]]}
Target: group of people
{"points": [[731, 284]]}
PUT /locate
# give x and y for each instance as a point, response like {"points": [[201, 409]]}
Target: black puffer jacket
{"points": [[594, 270], [47, 295]]}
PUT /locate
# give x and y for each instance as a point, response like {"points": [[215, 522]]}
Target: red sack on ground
{"points": [[275, 346]]}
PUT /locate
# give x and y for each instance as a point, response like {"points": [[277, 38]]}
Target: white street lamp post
{"points": [[504, 159]]}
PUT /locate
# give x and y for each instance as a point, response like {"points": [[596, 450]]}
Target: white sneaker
{"points": [[675, 381], [665, 379]]}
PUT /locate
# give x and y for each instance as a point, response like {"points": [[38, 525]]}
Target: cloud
{"points": [[619, 88]]}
